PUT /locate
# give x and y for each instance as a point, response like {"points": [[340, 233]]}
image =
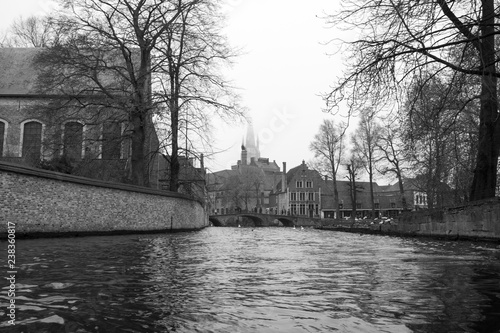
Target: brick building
{"points": [[387, 199], [299, 192], [52, 130]]}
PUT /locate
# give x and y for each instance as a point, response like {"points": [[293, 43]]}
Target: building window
{"points": [[73, 140], [311, 196], [3, 131], [302, 209], [111, 141], [32, 141], [377, 205], [302, 196], [393, 205], [293, 207], [299, 184], [293, 196], [358, 205], [341, 206], [309, 184]]}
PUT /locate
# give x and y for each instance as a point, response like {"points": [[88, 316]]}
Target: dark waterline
{"points": [[262, 280]]}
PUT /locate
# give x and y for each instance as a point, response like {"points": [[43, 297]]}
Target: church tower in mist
{"points": [[251, 145]]}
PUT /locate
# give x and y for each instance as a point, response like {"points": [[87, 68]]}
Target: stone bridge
{"points": [[262, 220]]}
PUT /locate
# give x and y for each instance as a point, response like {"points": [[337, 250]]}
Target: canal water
{"points": [[254, 280]]}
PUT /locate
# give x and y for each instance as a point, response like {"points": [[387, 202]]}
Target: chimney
{"points": [[283, 178], [243, 157], [202, 164]]}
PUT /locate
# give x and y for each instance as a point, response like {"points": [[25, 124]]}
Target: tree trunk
{"points": [[372, 196], [352, 181], [139, 172], [485, 173], [174, 156], [402, 192], [353, 189], [336, 197]]}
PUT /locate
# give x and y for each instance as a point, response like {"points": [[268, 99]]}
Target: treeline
{"points": [[422, 78]]}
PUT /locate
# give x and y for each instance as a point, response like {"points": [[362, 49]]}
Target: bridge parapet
{"points": [[262, 220]]}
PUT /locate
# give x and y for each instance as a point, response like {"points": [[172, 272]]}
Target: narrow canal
{"points": [[261, 280]]}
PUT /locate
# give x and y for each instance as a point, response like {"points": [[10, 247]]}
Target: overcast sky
{"points": [[281, 74]]}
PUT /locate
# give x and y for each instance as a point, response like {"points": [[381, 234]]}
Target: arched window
{"points": [[73, 140], [3, 135], [32, 141], [111, 141]]}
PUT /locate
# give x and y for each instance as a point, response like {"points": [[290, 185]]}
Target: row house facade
{"points": [[304, 192], [301, 191]]}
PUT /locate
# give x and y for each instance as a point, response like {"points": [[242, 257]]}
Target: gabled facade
{"points": [[299, 192]]}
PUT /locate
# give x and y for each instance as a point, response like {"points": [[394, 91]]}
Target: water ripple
{"points": [[262, 280]]}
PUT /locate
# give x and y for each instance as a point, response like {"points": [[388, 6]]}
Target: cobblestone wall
{"points": [[43, 202]]}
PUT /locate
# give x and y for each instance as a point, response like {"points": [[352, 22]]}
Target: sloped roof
{"points": [[264, 164], [409, 184], [219, 176], [17, 73]]}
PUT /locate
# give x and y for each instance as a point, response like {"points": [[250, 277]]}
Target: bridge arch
{"points": [[215, 222], [287, 222], [258, 222]]}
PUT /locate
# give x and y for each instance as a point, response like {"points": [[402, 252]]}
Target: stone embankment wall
{"points": [[476, 221], [45, 203]]}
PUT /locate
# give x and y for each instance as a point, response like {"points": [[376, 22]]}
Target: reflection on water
{"points": [[261, 280]]}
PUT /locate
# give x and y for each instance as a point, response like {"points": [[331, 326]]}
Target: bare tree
{"points": [[328, 147], [166, 56], [354, 166], [429, 127], [194, 91], [394, 153], [33, 31], [365, 141], [117, 38], [244, 187], [401, 39]]}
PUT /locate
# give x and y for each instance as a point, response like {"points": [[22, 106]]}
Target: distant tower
{"points": [[244, 155], [251, 145]]}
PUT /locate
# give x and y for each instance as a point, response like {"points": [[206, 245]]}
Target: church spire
{"points": [[250, 143]]}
